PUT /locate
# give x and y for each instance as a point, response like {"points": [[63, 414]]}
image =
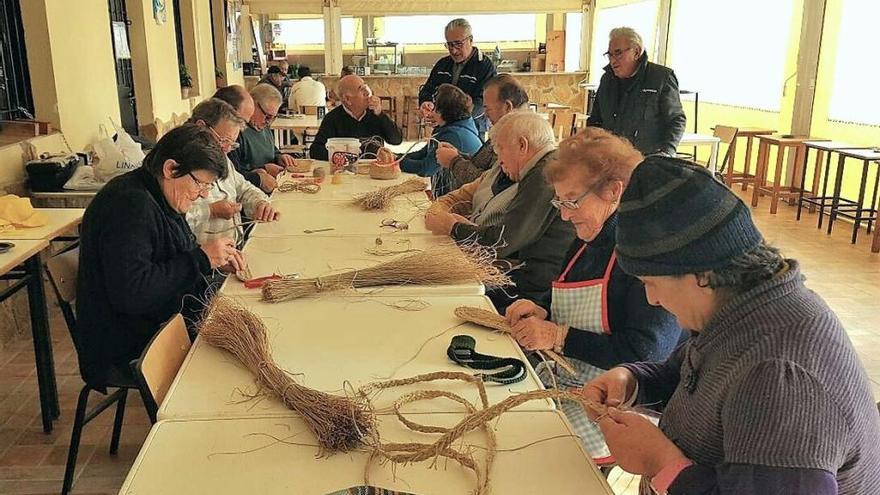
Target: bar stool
{"points": [[389, 105], [854, 209], [411, 116], [775, 189], [875, 245], [823, 200], [732, 176]]}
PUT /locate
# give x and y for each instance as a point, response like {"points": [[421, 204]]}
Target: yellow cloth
{"points": [[16, 212]]}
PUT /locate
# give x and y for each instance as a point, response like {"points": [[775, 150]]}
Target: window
{"points": [[487, 28], [728, 53], [573, 24], [16, 100], [852, 96], [298, 32], [178, 33], [641, 16]]}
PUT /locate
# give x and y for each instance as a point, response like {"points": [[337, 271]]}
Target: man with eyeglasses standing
{"points": [[219, 214], [465, 67], [257, 157], [637, 99]]}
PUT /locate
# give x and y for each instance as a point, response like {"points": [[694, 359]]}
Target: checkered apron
{"points": [[582, 305]]}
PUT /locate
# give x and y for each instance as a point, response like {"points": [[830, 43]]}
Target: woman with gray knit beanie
{"points": [[769, 396], [594, 313]]}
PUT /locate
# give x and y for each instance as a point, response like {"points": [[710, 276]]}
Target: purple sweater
{"points": [[769, 398]]}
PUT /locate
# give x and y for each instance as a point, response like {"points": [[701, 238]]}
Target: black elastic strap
{"points": [[462, 350]]}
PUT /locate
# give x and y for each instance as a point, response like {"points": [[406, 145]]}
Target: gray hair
{"points": [[459, 23], [266, 94], [628, 34], [213, 111], [745, 272], [530, 125]]}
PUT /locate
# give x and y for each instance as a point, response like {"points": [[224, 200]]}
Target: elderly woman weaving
{"points": [[594, 314], [769, 396]]}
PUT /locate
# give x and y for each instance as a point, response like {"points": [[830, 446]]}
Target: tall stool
{"points": [[389, 105], [411, 116], [822, 201], [854, 209], [875, 245], [776, 189], [745, 178]]}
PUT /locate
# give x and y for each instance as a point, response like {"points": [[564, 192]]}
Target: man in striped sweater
{"points": [[769, 396]]}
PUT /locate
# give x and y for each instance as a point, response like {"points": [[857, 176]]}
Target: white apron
{"points": [[583, 306]]}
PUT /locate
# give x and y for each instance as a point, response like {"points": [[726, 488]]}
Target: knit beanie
{"points": [[675, 219]]}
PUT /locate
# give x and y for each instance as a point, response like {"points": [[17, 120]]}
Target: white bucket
{"points": [[342, 152]]}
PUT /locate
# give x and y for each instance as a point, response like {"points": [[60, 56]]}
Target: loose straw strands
{"points": [[440, 265], [339, 423], [489, 319], [308, 186], [381, 199]]}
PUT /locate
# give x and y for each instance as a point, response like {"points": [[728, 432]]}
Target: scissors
{"points": [[397, 224]]}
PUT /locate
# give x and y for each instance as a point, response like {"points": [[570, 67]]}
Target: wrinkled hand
{"points": [[534, 334], [267, 182], [224, 209], [637, 445], [236, 263], [219, 251], [426, 108], [264, 212], [445, 154], [287, 161], [611, 388], [524, 308], [274, 169], [439, 222], [375, 104]]}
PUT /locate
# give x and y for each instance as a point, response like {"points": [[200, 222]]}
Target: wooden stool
{"points": [[389, 105], [732, 177], [411, 116], [775, 189]]}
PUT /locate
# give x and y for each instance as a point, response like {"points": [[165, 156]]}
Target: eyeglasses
{"points": [[269, 116], [225, 141], [616, 54], [569, 204], [458, 43], [203, 186]]}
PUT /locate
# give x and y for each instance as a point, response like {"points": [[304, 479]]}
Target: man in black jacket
{"points": [[637, 99], [465, 67]]}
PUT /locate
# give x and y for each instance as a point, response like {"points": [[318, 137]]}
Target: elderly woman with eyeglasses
{"points": [[594, 314]]}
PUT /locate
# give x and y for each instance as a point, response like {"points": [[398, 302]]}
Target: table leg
{"points": [[713, 158], [760, 172], [800, 200], [777, 179], [731, 162], [42, 343], [817, 174], [857, 221], [874, 196], [875, 246], [835, 201], [747, 166], [824, 189]]}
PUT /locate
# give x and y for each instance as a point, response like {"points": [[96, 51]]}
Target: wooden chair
{"points": [[563, 123], [389, 106], [308, 109], [62, 270], [160, 362], [727, 135], [411, 118]]}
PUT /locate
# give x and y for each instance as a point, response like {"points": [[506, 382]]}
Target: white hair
{"points": [[628, 34], [266, 94], [523, 124], [459, 23]]}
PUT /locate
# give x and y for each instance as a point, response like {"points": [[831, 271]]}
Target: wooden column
{"points": [[807, 66], [587, 10], [332, 37]]}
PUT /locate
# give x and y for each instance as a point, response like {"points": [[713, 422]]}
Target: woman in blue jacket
{"points": [[455, 126]]}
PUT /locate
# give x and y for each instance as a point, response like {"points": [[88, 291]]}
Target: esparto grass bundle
{"points": [[440, 265], [381, 198], [339, 423]]}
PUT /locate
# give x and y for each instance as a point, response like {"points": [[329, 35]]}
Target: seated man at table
{"points": [[509, 207], [307, 92], [219, 213], [257, 148], [360, 116], [139, 260]]}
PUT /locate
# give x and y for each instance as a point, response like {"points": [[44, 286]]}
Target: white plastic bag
{"points": [[116, 158], [83, 179]]}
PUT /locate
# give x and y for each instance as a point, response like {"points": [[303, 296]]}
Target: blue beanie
{"points": [[675, 218]]}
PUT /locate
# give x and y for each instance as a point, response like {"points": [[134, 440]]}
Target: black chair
{"points": [[62, 273]]}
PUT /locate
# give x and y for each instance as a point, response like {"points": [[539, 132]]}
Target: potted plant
{"points": [[186, 82], [219, 79]]}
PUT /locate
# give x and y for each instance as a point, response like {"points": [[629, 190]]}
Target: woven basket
{"points": [[301, 166], [384, 172]]}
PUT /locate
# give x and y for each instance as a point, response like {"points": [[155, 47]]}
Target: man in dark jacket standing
{"points": [[465, 67], [637, 99]]}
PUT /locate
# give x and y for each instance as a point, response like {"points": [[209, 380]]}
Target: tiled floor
{"points": [[847, 276]]}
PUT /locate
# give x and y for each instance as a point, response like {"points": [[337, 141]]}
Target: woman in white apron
{"points": [[598, 316]]}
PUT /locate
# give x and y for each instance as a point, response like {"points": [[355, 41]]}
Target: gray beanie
{"points": [[675, 218]]}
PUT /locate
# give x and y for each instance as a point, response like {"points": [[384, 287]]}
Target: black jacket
{"points": [[648, 113], [339, 124], [476, 71], [138, 259]]}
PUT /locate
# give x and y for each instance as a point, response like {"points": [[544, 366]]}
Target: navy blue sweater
{"points": [[638, 329]]}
